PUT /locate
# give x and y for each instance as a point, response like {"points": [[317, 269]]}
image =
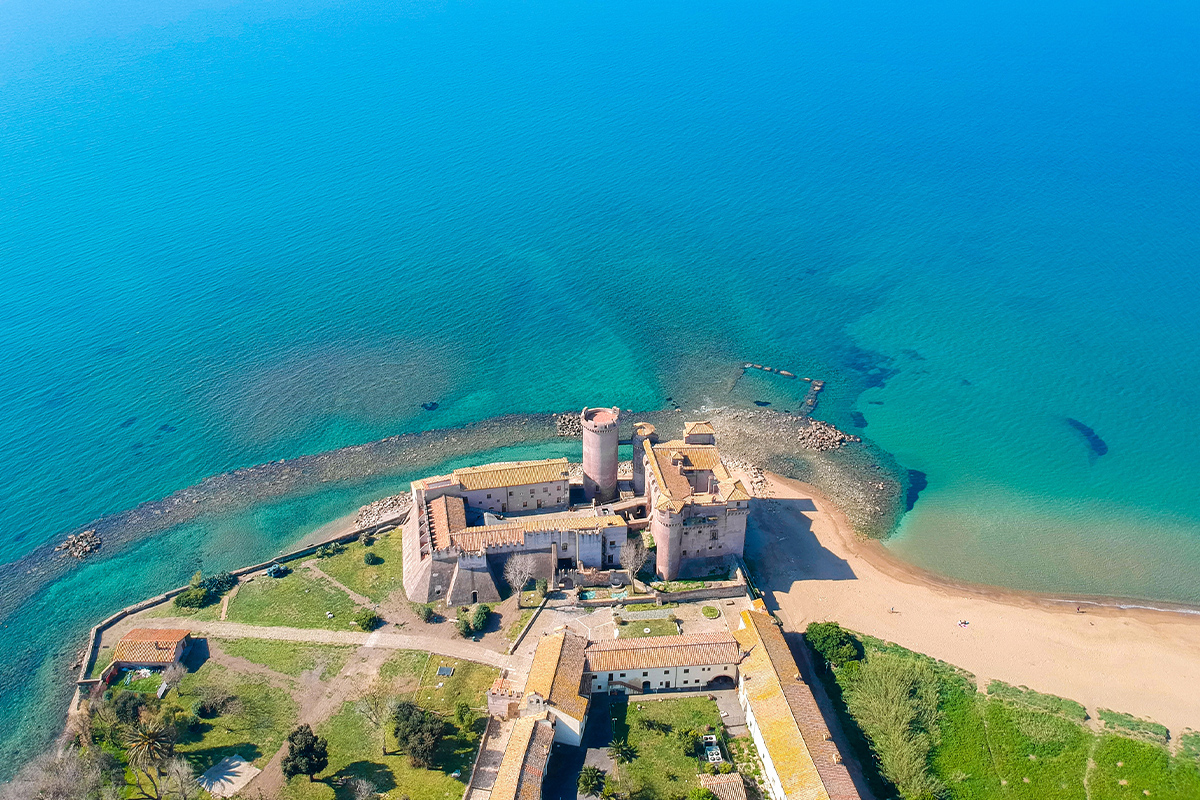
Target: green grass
{"points": [[678, 586], [710, 612], [1129, 724], [254, 729], [290, 658], [636, 628], [104, 657], [661, 769], [377, 582], [648, 606], [469, 682], [404, 664], [209, 613], [1016, 744], [298, 600], [516, 626], [355, 751], [144, 685], [1189, 744], [1046, 702]]}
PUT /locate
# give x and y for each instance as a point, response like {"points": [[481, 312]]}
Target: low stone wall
{"points": [[521, 636]]}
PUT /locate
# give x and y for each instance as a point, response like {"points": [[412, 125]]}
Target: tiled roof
{"points": [[149, 645], [788, 717], [690, 428], [520, 774], [557, 672], [512, 473], [513, 531], [725, 787], [654, 652], [447, 514], [672, 461]]}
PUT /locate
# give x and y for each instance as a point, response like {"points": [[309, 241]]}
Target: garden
{"points": [[665, 743]]}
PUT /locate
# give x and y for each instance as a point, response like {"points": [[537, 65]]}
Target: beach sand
{"points": [[813, 567]]}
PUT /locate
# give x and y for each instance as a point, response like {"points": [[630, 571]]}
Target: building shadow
{"points": [[782, 549]]}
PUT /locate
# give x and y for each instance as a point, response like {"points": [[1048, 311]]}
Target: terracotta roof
{"points": [[725, 787], [520, 774], [557, 673], [447, 514], [512, 473], [654, 652], [690, 428], [150, 645], [513, 531], [788, 717], [643, 429]]}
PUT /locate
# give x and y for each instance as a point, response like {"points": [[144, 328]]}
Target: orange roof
{"points": [[786, 714], [520, 774], [690, 428], [513, 531], [512, 473], [447, 514], [725, 787], [655, 652], [557, 673], [150, 646]]}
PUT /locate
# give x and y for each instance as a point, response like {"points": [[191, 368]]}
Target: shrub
{"points": [[724, 768], [479, 617], [591, 780], [329, 550], [423, 611], [834, 644], [128, 705], [1133, 726], [371, 560], [700, 793], [368, 620], [463, 626], [621, 751], [463, 715], [196, 597], [711, 612], [220, 583], [690, 743], [540, 586]]}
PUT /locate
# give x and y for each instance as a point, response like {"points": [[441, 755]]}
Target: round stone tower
{"points": [[600, 440], [642, 431]]}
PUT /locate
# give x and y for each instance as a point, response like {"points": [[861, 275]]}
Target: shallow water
{"points": [[232, 233]]}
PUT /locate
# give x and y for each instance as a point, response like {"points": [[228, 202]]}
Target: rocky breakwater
{"points": [[80, 545], [385, 509], [568, 424]]}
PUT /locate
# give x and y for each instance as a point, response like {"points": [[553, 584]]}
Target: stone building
{"points": [[465, 525], [601, 438], [697, 510], [523, 768], [655, 663]]}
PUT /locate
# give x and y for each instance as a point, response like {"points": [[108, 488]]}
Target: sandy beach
{"points": [[813, 567]]}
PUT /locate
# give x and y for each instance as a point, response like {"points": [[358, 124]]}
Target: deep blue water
{"points": [[238, 232]]}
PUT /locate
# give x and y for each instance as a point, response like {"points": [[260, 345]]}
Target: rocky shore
{"points": [[80, 545], [568, 424], [380, 510]]}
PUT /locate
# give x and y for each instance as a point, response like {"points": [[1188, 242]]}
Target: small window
{"points": [[685, 552], [610, 676], [489, 497], [645, 674], [524, 505], [622, 674], [686, 671], [531, 492]]}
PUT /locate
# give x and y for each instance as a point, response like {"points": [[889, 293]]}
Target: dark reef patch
{"points": [[857, 419], [127, 423], [166, 428], [1098, 446], [966, 382], [429, 406], [917, 481], [875, 402], [762, 403]]}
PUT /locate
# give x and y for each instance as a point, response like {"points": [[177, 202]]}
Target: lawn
{"points": [[636, 628], [209, 613], [104, 656], [375, 582], [404, 664], [469, 682], [290, 658], [298, 600], [253, 726], [661, 770], [514, 629], [355, 751], [1022, 745]]}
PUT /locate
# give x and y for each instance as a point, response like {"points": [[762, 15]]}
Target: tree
{"points": [[128, 706], [375, 704], [367, 619], [591, 780], [479, 617], [308, 753], [831, 642], [634, 555], [418, 732], [361, 789], [519, 568], [173, 674], [700, 793], [463, 626], [371, 560], [149, 744], [690, 743], [463, 715], [180, 779], [621, 751]]}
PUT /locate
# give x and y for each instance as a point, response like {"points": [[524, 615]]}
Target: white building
{"points": [[652, 663]]}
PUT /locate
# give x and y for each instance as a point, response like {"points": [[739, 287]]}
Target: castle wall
{"points": [[642, 432]]}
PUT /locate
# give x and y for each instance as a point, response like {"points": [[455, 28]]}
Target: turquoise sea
{"points": [[238, 232]]}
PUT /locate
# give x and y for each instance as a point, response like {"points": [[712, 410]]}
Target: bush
{"points": [[128, 705], [423, 611], [479, 617], [368, 620], [591, 780], [540, 586], [196, 597], [711, 612], [834, 644], [463, 715], [700, 793], [329, 550], [463, 626], [371, 560], [219, 584], [690, 743], [724, 768]]}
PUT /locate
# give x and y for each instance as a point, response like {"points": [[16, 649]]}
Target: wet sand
{"points": [[814, 567]]}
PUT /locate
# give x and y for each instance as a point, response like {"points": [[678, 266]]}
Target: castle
{"points": [[464, 526]]}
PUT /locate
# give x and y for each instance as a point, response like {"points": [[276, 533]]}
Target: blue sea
{"points": [[238, 232]]}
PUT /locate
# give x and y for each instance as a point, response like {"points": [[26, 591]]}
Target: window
{"points": [[622, 674], [645, 674], [713, 536], [685, 552], [531, 492], [489, 497], [524, 505], [686, 671], [610, 676]]}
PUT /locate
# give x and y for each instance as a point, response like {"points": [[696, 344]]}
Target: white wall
{"points": [[695, 677]]}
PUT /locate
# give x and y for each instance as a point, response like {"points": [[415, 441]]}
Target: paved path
{"points": [[456, 648]]}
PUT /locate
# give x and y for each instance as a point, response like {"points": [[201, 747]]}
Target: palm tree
{"points": [[621, 751], [148, 745]]}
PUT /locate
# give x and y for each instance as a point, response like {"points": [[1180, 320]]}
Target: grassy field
{"points": [[1017, 744], [469, 682], [636, 628], [253, 727], [290, 658], [660, 769], [404, 664], [104, 657], [298, 600], [355, 751], [516, 626], [375, 582]]}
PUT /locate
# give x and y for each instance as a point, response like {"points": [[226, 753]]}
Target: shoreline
{"points": [[1117, 654]]}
